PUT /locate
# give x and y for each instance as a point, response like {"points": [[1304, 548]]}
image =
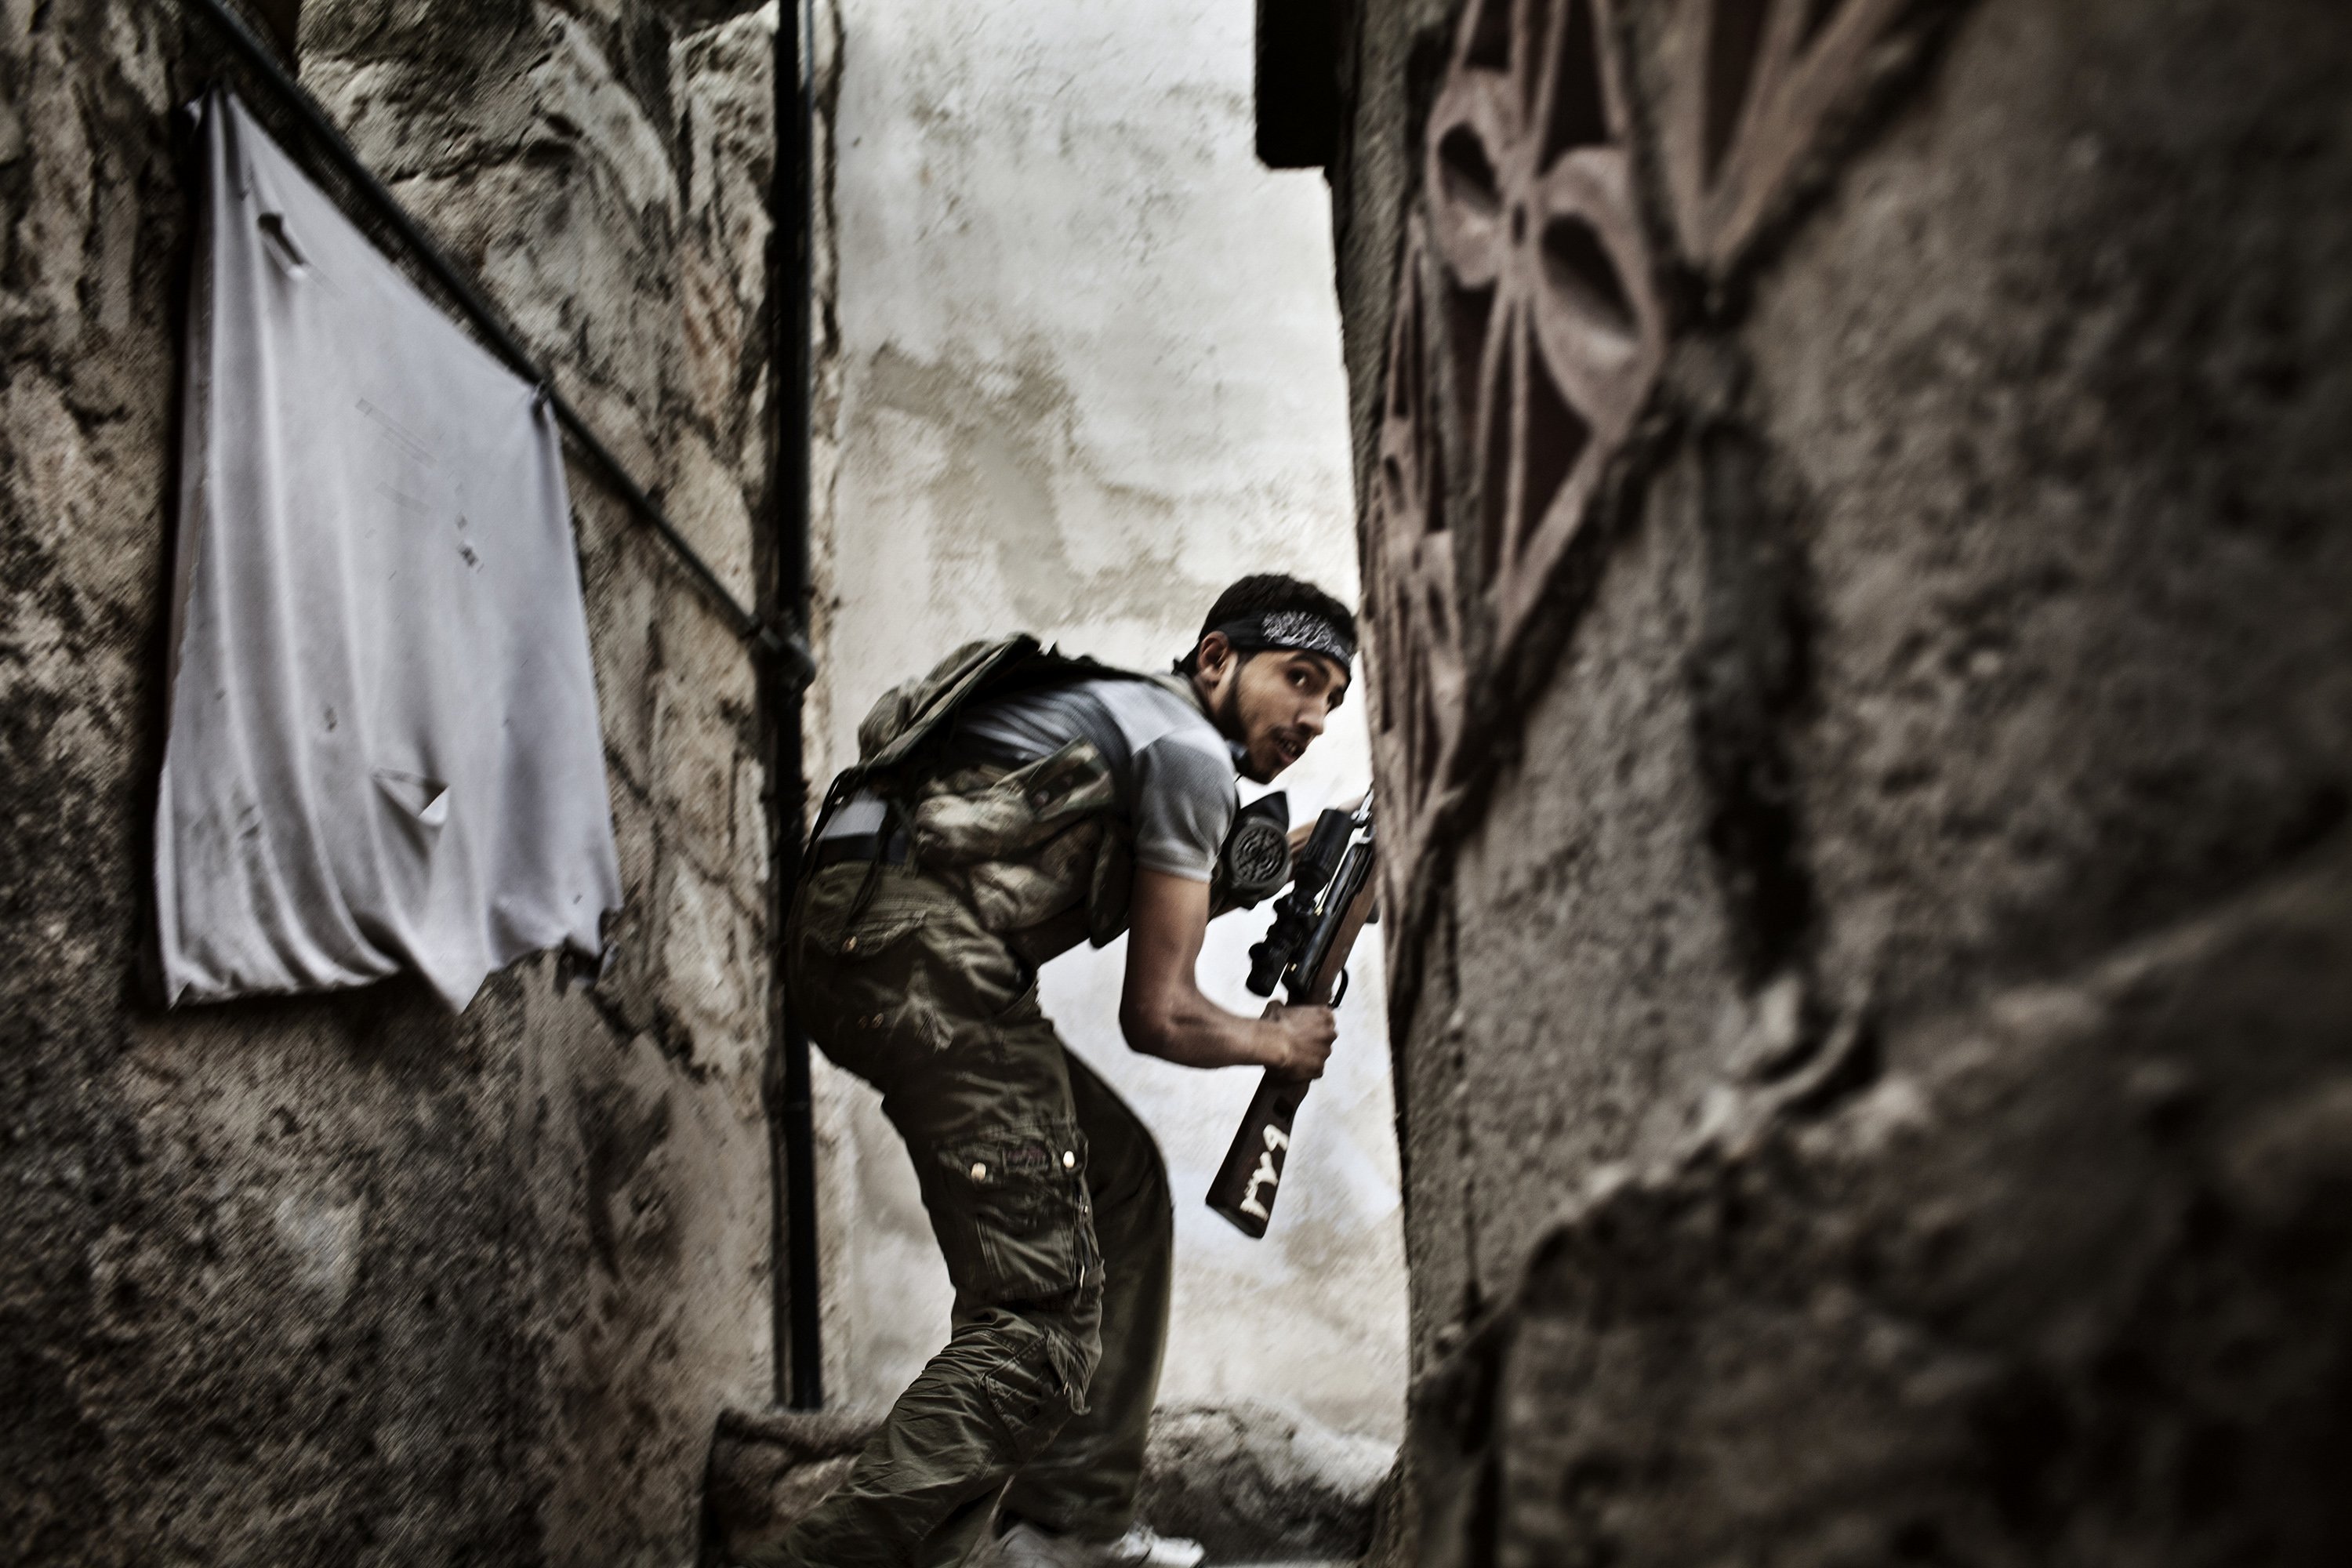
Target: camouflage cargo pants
{"points": [[1049, 1200]]}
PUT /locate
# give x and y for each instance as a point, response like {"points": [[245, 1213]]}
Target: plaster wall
{"points": [[344, 1280], [1084, 372]]}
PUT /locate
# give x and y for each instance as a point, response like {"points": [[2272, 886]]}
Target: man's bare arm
{"points": [[1163, 1012]]}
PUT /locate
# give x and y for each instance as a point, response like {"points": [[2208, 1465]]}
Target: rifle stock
{"points": [[1250, 1179]]}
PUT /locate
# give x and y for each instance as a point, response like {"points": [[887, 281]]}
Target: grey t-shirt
{"points": [[1174, 771]]}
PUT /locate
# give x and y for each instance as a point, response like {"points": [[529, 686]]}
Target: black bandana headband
{"points": [[1302, 631]]}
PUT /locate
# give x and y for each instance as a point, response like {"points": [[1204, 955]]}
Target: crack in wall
{"points": [[1750, 676]]}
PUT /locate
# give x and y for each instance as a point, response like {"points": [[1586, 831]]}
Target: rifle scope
{"points": [[1293, 912]]}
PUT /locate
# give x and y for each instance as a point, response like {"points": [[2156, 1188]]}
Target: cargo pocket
{"points": [[1035, 1391], [872, 937], [843, 914], [1019, 1230], [848, 978]]}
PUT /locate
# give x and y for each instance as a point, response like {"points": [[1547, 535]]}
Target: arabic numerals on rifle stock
{"points": [[1305, 953]]}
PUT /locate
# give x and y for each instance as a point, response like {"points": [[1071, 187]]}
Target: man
{"points": [[1003, 807]]}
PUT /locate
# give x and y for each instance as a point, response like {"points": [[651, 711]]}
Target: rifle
{"points": [[1315, 928]]}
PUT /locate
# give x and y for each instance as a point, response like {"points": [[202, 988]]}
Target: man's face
{"points": [[1272, 703]]}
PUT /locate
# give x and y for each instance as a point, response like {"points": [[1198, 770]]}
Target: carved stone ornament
{"points": [[1752, 84], [1551, 308], [1419, 687]]}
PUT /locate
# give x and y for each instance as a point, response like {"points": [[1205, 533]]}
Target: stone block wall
{"points": [[1855, 514], [344, 1280]]}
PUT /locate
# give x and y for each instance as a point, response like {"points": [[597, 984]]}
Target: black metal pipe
{"points": [[800, 1361], [785, 646]]}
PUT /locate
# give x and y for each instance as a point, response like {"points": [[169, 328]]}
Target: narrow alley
{"points": [[1809, 539]]}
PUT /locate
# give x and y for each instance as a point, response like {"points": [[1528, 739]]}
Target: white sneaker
{"points": [[1026, 1546]]}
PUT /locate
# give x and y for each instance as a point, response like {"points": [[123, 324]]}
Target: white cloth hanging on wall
{"points": [[383, 747]]}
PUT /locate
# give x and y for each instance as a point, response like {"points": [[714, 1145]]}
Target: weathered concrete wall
{"points": [[1874, 1015], [1085, 375], [345, 1280]]}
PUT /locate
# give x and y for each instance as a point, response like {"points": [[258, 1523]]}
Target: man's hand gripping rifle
{"points": [[1306, 949]]}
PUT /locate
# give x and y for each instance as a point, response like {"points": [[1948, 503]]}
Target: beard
{"points": [[1227, 715]]}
